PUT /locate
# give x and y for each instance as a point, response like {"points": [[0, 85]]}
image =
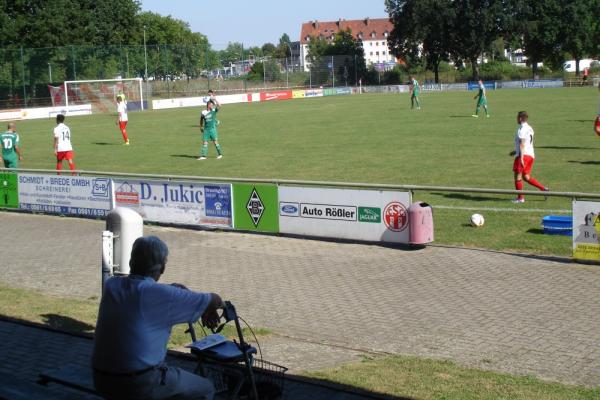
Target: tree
{"points": [[350, 61], [268, 49], [577, 26], [283, 49], [476, 25], [422, 28], [538, 25]]}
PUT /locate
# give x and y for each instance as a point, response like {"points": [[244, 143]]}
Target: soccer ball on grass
{"points": [[477, 220]]}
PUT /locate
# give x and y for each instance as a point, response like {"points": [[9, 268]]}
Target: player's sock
{"points": [[59, 166], [218, 147], [534, 182], [72, 168], [204, 151], [519, 186], [125, 137]]}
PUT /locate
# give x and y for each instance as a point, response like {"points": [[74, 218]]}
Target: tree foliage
{"points": [[429, 31], [422, 28]]}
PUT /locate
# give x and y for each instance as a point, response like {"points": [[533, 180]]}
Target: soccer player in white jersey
{"points": [[122, 121], [524, 156], [62, 144]]}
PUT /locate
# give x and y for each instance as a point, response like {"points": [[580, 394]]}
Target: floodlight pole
{"points": [[50, 72], [145, 67]]}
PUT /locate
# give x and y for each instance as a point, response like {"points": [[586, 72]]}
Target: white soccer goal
{"points": [[102, 93]]}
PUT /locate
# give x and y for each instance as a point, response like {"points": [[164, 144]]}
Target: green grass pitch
{"points": [[372, 138]]}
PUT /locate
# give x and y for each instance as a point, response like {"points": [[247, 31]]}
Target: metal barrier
{"points": [[278, 182]]}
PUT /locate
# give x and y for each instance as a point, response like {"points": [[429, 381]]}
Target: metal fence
{"points": [[189, 70]]}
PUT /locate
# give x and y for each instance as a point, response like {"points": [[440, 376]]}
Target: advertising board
{"points": [[313, 93], [255, 208], [67, 195], [370, 215], [586, 230], [279, 95], [298, 94], [9, 190], [187, 203]]}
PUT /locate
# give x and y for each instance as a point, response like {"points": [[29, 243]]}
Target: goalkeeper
{"points": [[208, 127]]}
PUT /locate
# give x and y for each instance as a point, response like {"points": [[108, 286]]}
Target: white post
{"points": [[66, 97], [107, 256], [141, 95], [145, 66]]}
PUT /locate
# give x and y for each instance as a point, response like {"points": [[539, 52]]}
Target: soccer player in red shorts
{"points": [[122, 122], [524, 156], [62, 144]]}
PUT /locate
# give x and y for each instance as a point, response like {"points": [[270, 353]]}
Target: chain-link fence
{"points": [[25, 74], [28, 75]]}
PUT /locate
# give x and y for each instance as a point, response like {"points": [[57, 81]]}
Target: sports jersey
{"points": [[122, 110], [415, 85], [63, 135], [525, 133], [210, 119], [481, 93], [9, 140]]}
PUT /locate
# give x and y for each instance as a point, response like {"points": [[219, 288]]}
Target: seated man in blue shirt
{"points": [[134, 324]]}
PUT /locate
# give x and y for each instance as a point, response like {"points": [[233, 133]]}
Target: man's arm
{"points": [[210, 318], [202, 120], [521, 150], [18, 150], [55, 145]]}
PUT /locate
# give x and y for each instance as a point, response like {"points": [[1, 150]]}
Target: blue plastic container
{"points": [[558, 225]]}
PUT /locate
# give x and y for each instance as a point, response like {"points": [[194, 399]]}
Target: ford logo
{"points": [[289, 209]]}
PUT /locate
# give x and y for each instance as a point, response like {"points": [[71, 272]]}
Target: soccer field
{"points": [[373, 138]]}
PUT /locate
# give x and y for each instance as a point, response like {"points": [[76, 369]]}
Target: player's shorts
{"points": [[210, 135], [64, 155], [415, 93], [10, 162], [482, 102], [122, 124], [520, 169]]}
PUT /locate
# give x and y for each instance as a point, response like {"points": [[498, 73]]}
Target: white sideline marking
{"points": [[498, 209]]}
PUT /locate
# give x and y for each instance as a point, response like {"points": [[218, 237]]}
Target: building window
{"points": [[376, 53], [371, 53], [373, 35], [383, 52]]}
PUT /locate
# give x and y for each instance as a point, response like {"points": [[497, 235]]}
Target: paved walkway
{"points": [[26, 351], [508, 313]]}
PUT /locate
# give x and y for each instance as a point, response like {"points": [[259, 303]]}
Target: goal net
{"points": [[101, 94]]}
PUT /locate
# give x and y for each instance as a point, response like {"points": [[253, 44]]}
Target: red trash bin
{"points": [[420, 223]]}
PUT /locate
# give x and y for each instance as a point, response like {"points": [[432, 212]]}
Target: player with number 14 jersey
{"points": [[62, 143]]}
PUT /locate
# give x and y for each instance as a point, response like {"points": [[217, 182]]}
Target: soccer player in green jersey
{"points": [[208, 127], [481, 100], [414, 93], [11, 150]]}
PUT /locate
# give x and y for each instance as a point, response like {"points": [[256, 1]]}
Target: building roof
{"points": [[363, 29]]}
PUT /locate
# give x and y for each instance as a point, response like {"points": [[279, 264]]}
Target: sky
{"points": [[257, 22]]}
